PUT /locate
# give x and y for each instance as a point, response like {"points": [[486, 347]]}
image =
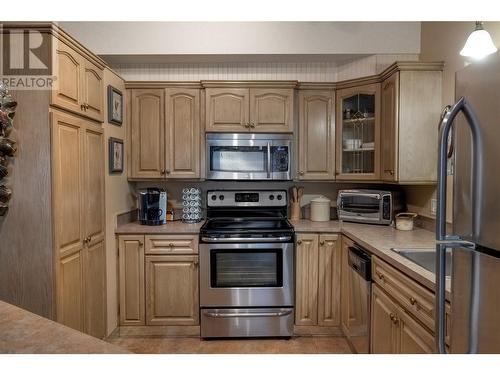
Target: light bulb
{"points": [[479, 44]]}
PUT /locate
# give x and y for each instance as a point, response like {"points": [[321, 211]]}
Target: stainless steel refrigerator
{"points": [[473, 125]]}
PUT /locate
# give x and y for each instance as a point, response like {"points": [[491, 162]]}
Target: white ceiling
{"points": [[137, 42]]}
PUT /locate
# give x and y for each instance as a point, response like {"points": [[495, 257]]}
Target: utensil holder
{"points": [[294, 211]]}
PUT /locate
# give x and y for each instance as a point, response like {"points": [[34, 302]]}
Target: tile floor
{"points": [[185, 345]]}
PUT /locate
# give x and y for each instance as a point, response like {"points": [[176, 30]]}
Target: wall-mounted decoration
{"points": [[115, 106], [116, 155], [7, 145]]}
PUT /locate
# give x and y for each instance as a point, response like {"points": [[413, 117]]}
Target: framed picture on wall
{"points": [[115, 106], [116, 155]]}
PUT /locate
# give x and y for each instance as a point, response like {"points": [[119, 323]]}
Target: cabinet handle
{"points": [[394, 318], [195, 262], [247, 125], [301, 172], [413, 301], [252, 125], [390, 171], [167, 171], [87, 106], [170, 244], [84, 241], [321, 243], [162, 171], [380, 275], [141, 244], [299, 242], [82, 107]]}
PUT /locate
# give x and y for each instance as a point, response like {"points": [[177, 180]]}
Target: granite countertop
{"points": [[24, 332], [171, 227]]}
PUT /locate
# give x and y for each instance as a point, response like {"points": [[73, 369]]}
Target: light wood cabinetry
{"points": [[240, 109], [78, 184], [79, 86], [358, 133], [131, 279], [165, 133], [317, 301], [316, 137], [147, 133], [183, 133], [411, 106], [172, 290], [159, 280]]}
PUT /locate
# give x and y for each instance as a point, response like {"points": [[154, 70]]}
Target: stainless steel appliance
{"points": [[237, 156], [246, 265], [369, 206], [152, 206], [358, 331], [475, 240]]}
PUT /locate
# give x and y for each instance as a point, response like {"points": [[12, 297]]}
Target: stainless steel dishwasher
{"points": [[358, 329]]}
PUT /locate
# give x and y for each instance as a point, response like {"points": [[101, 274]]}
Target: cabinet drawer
{"points": [[414, 298], [171, 244]]}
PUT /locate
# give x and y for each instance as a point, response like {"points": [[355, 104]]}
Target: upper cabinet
{"points": [[358, 133], [316, 140], [264, 110], [164, 133], [411, 107], [79, 85]]}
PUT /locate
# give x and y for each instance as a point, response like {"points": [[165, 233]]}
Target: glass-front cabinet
{"points": [[358, 133]]}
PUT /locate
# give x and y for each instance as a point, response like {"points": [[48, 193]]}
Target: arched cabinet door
{"points": [[227, 109], [68, 91], [271, 110], [93, 91]]}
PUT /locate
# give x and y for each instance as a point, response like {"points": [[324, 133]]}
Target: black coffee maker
{"points": [[152, 206]]}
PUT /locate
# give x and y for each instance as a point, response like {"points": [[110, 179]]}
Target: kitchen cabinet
{"points": [[241, 109], [165, 139], [411, 106], [358, 133], [79, 86], [317, 300], [78, 180], [147, 134], [131, 279], [394, 331], [316, 139], [172, 290]]}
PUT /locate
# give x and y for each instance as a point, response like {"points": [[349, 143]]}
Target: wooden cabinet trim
{"points": [[306, 300], [329, 280], [171, 244]]}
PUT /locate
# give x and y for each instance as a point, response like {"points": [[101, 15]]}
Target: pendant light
{"points": [[479, 43]]}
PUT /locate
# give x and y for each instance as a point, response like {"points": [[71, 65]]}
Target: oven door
{"points": [[246, 275], [360, 207]]}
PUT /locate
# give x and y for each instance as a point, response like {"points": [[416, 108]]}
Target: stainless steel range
{"points": [[246, 265]]}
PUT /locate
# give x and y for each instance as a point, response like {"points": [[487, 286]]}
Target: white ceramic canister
{"points": [[320, 209]]}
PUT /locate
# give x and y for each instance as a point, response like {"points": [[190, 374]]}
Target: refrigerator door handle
{"points": [[477, 171]]}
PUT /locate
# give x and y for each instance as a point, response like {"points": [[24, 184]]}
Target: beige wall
{"points": [[442, 41], [118, 200]]}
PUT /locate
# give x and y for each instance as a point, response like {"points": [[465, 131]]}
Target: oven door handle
{"points": [[248, 239], [248, 315]]}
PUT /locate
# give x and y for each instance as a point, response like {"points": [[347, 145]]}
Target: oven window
{"points": [[238, 158], [360, 204], [246, 268]]}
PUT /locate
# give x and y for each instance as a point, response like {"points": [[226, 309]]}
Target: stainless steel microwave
{"points": [[369, 206], [248, 156]]}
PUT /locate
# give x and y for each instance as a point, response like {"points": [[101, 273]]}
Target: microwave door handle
{"points": [[268, 160]]}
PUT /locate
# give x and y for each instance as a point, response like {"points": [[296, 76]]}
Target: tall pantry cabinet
{"points": [[54, 233]]}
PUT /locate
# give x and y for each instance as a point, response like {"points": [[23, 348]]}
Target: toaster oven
{"points": [[369, 206]]}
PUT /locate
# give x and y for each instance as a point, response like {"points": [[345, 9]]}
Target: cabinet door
{"points": [[415, 339], [271, 110], [389, 128], [329, 280], [183, 133], [385, 331], [306, 289], [92, 84], [227, 110], [68, 68], [131, 263], [147, 130], [70, 296], [358, 133], [172, 290], [93, 189], [95, 290], [316, 136], [67, 181]]}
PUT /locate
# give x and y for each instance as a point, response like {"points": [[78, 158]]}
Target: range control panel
{"points": [[246, 198]]}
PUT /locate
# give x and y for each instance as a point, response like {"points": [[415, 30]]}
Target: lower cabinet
{"points": [[393, 331], [172, 290], [317, 298], [158, 280]]}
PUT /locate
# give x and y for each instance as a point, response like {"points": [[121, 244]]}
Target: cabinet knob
{"points": [[162, 171], [299, 242], [380, 275], [167, 171], [390, 171], [82, 107], [170, 244], [413, 301], [252, 125], [301, 173], [87, 106], [394, 318], [321, 243], [141, 244]]}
